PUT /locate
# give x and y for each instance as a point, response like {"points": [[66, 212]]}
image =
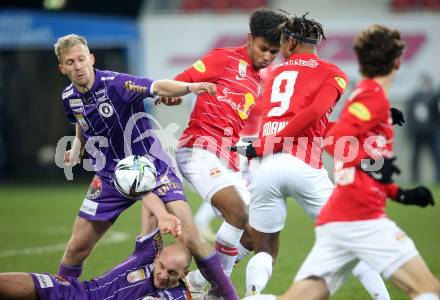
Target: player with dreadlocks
{"points": [[299, 96]]}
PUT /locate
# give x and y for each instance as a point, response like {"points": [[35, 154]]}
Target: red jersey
{"points": [[357, 196], [292, 88], [216, 121]]}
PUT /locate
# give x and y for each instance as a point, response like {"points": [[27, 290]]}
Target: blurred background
{"points": [[159, 39]]}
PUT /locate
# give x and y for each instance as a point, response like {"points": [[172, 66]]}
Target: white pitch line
{"points": [[112, 237]]}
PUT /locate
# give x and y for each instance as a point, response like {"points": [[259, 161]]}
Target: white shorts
{"points": [[279, 177], [208, 174], [340, 245]]}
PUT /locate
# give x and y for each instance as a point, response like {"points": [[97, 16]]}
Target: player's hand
{"points": [[202, 87], [385, 173], [397, 116], [420, 196], [169, 101], [71, 158], [245, 150], [169, 223]]}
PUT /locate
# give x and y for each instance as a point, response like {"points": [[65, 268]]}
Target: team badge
{"points": [[95, 188], [242, 65], [400, 236], [199, 66], [136, 276], [215, 172], [82, 121], [341, 82], [360, 111], [105, 109]]}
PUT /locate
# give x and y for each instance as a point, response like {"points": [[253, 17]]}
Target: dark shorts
{"points": [[54, 287], [104, 203]]}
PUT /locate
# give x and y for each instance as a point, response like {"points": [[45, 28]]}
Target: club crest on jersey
{"points": [[105, 109], [199, 66], [82, 121], [136, 276], [242, 65], [341, 82]]}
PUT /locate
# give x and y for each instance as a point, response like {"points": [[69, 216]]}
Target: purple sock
{"points": [[212, 269], [70, 271]]}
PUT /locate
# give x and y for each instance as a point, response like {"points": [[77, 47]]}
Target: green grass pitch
{"points": [[35, 224]]}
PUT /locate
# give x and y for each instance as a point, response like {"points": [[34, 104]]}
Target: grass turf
{"points": [[35, 224]]}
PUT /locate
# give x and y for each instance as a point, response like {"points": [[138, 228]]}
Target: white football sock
{"points": [[258, 271], [197, 280], [427, 296], [228, 238], [205, 214], [371, 281], [242, 252]]}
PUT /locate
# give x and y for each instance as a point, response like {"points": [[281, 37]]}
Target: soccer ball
{"points": [[135, 176]]}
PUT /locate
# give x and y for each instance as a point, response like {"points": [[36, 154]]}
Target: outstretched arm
{"points": [[173, 88], [167, 223]]}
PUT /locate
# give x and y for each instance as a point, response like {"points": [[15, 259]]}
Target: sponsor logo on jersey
{"points": [[360, 111], [242, 65], [215, 172], [136, 276], [107, 78], [131, 86], [95, 188], [82, 121], [341, 82], [76, 102], [61, 280], [199, 66], [105, 109], [101, 95], [44, 280], [89, 207]]}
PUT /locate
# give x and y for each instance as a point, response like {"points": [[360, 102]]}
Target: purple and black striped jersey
{"points": [[113, 119], [132, 279]]}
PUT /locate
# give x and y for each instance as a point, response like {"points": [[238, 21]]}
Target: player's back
{"points": [[291, 88]]}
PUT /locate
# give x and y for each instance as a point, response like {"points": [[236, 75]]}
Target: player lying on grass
{"points": [[149, 271], [353, 225]]}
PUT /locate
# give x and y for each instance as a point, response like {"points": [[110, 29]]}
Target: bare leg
{"points": [[84, 237], [18, 286], [414, 278], [307, 289]]}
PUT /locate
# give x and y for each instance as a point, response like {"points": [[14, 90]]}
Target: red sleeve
{"points": [[391, 190], [207, 69], [306, 118], [357, 118]]}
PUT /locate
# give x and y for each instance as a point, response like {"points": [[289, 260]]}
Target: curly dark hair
{"points": [[264, 22], [302, 29], [377, 49]]}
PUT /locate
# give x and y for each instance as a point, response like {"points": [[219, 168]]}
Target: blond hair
{"points": [[66, 42]]}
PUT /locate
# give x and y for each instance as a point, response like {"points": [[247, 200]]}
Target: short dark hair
{"points": [[264, 22], [377, 49], [302, 29]]}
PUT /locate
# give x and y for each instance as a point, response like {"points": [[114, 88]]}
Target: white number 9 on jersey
{"points": [[282, 91]]}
